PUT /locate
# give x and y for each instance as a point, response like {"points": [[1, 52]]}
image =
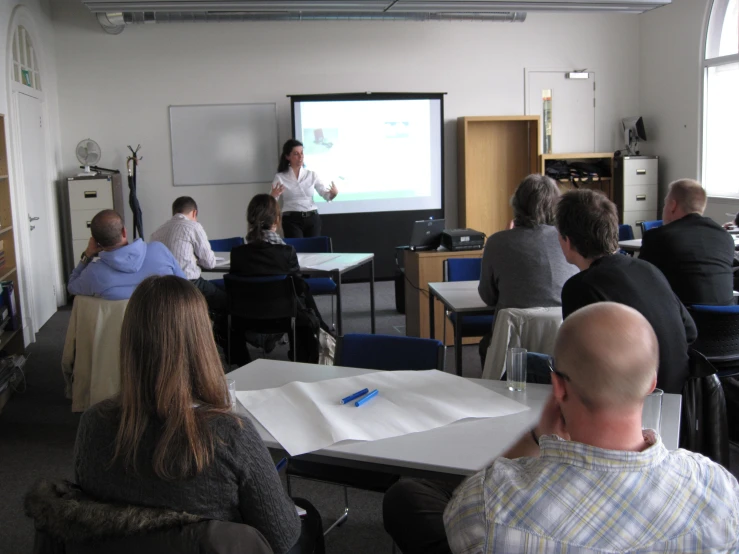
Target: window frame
{"points": [[711, 37]]}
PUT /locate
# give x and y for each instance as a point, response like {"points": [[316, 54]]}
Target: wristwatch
{"points": [[84, 258]]}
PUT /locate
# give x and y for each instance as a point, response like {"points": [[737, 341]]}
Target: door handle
{"points": [[32, 218], [33, 227]]}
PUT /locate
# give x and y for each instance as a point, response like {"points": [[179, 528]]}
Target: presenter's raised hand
{"points": [[277, 190], [333, 191]]}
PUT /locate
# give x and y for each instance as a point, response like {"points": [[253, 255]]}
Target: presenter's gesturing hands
{"points": [[277, 190], [333, 191]]}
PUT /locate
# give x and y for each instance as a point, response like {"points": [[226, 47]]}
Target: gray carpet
{"points": [[37, 432]]}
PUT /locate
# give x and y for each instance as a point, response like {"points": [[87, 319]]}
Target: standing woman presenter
{"points": [[296, 185]]}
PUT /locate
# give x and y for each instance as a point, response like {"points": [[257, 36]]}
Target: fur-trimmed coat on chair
{"points": [[70, 522]]}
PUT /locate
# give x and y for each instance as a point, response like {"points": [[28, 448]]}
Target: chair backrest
{"points": [[718, 332], [91, 356], [647, 225], [625, 232], [388, 352], [261, 298], [462, 269], [311, 244], [534, 329], [225, 245]]}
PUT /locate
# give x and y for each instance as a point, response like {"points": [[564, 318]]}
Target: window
{"points": [[721, 100], [25, 68]]}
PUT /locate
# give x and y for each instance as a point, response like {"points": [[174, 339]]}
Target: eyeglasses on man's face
{"points": [[553, 369]]}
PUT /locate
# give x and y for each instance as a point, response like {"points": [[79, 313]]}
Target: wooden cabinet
{"points": [[602, 182], [422, 268], [495, 154], [11, 330]]}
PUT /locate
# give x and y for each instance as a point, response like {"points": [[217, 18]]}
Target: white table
{"points": [[331, 264], [459, 449], [633, 245], [462, 298]]}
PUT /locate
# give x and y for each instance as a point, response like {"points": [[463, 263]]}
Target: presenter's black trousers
{"points": [[297, 225]]}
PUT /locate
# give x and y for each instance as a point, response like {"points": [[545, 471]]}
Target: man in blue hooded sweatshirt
{"points": [[120, 266]]}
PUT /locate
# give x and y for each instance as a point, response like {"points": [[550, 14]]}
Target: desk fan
{"points": [[88, 154]]}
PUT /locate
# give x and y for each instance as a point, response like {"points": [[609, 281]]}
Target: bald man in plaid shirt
{"points": [[587, 478]]}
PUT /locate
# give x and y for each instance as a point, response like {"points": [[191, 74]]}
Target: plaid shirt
{"points": [[577, 498]]}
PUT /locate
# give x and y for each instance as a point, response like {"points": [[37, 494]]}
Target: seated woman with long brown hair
{"points": [[265, 253], [170, 440]]}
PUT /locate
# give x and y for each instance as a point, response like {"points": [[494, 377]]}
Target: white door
{"points": [[33, 151], [572, 109]]}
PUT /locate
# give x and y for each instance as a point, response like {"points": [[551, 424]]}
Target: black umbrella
{"points": [[138, 222]]}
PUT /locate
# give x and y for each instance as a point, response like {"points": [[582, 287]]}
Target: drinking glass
{"points": [[232, 391], [516, 369], [651, 417]]}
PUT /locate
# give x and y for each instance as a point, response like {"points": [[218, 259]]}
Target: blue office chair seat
{"points": [[647, 225], [474, 325], [225, 245]]}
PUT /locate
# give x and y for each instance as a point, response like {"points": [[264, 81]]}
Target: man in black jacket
{"points": [[694, 252], [588, 227]]}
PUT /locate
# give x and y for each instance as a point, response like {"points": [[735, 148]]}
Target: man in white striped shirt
{"points": [[189, 244]]}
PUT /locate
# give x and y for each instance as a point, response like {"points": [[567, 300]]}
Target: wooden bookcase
{"points": [[10, 340], [495, 154], [603, 183]]}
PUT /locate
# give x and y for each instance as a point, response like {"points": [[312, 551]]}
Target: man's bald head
{"points": [[610, 353], [107, 228]]}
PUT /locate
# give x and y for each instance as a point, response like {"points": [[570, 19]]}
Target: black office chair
{"points": [[718, 337], [386, 352], [266, 305], [319, 286]]}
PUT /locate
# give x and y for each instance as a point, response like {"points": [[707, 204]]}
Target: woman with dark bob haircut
{"points": [[523, 266], [296, 185], [170, 440]]}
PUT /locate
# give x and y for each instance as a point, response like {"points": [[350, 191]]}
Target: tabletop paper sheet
{"points": [[304, 417], [317, 261]]}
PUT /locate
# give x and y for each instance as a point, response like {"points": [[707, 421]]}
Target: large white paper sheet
{"points": [[317, 261], [304, 417]]}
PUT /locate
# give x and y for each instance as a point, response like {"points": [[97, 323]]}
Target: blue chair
{"points": [[388, 352], [467, 269], [647, 225], [265, 305], [225, 245], [625, 232], [319, 286], [718, 336]]}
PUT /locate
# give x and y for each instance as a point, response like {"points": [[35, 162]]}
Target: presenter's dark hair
{"points": [[171, 377], [590, 220], [287, 148], [184, 205], [263, 212], [534, 201]]}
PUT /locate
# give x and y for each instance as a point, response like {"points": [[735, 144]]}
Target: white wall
{"points": [[116, 89], [39, 23], [670, 75]]}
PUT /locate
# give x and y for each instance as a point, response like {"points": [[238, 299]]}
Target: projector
{"points": [[462, 239]]}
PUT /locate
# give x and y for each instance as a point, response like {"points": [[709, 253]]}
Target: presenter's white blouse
{"points": [[298, 194]]}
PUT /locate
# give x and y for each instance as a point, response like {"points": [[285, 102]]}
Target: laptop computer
{"points": [[426, 234]]}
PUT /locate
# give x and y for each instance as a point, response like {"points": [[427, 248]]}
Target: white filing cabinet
{"points": [[636, 189], [88, 196]]}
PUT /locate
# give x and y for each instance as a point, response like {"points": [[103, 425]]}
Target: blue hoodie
{"points": [[114, 275]]}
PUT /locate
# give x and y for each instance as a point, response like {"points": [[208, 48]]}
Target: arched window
{"points": [[721, 100], [25, 67]]}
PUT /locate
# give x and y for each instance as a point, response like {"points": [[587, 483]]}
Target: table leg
{"points": [[372, 294], [339, 319], [432, 325], [458, 344]]}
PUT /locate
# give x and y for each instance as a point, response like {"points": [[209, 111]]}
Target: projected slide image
{"points": [[376, 152]]}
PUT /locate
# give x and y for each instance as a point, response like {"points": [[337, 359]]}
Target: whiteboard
{"points": [[223, 144]]}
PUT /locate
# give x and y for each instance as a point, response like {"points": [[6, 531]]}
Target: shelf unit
{"points": [[10, 340], [495, 154], [603, 183]]}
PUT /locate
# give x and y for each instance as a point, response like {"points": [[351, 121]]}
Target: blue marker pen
{"points": [[371, 395], [354, 396], [282, 463]]}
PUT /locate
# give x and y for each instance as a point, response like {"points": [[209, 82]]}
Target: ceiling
{"points": [[115, 14]]}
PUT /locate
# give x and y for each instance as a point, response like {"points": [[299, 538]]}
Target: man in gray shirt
{"points": [[523, 267]]}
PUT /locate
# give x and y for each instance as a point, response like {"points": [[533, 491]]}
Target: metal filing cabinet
{"points": [[636, 190], [88, 196]]}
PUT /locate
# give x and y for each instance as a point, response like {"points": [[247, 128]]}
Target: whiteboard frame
{"points": [[172, 147]]}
